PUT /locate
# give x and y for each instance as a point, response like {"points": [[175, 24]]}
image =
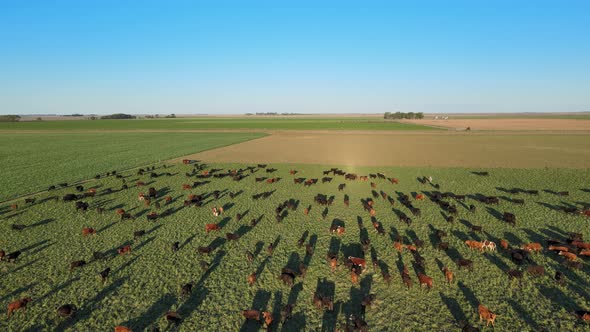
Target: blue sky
{"points": [[293, 56]]}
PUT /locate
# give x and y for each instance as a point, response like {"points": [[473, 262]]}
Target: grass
{"points": [[32, 162], [146, 284], [217, 123]]}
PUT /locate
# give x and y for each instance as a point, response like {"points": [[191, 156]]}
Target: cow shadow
{"points": [[153, 313], [522, 312], [454, 308], [260, 303], [469, 295], [495, 213], [312, 242]]}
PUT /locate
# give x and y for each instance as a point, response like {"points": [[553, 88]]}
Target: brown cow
{"points": [[559, 248], [122, 329], [88, 231], [411, 247], [333, 263], [337, 229], [211, 227], [251, 314], [474, 245], [569, 256], [581, 245], [358, 261], [267, 318], [18, 304], [448, 274], [306, 211], [419, 197], [354, 277], [120, 211], [504, 244], [534, 246], [585, 252], [398, 246], [124, 250], [252, 279], [425, 280], [486, 314]]}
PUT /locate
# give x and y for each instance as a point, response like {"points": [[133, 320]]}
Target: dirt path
{"points": [[515, 150], [507, 124]]}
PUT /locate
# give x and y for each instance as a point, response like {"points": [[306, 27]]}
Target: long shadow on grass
{"points": [[15, 293], [86, 310], [312, 242], [42, 222], [153, 314], [454, 308], [104, 228], [469, 295], [260, 303], [276, 311], [522, 312]]}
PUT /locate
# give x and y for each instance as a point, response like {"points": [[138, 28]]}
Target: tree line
{"points": [[402, 115]]}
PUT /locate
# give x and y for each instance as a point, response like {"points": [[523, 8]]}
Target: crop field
{"points": [[32, 162], [240, 123], [145, 284]]}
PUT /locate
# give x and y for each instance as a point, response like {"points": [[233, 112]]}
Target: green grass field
{"points": [[32, 162], [143, 286], [218, 123]]}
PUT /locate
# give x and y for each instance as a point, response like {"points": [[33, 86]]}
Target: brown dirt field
{"points": [[507, 124], [418, 149]]}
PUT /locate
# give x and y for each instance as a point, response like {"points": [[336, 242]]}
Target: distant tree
{"points": [[93, 118], [38, 119], [171, 116], [118, 116], [9, 118], [419, 115]]}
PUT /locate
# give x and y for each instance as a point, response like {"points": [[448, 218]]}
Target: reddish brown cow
{"points": [[534, 246], [252, 279], [474, 245], [581, 245], [569, 256], [124, 250], [122, 329], [18, 304], [419, 197], [425, 280], [504, 244], [358, 261], [559, 248], [486, 314], [211, 227], [88, 231], [448, 274]]}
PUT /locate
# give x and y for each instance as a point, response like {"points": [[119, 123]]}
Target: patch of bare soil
{"points": [[507, 124], [425, 149]]}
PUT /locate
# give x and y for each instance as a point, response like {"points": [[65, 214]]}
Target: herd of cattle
{"points": [[573, 249]]}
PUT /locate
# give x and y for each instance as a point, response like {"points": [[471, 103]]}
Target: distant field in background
{"points": [[32, 162], [520, 116], [218, 123], [435, 149]]}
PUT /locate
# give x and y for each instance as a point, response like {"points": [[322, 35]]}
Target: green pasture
{"points": [[146, 284]]}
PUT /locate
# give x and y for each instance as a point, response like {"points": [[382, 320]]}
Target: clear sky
{"points": [[293, 56]]}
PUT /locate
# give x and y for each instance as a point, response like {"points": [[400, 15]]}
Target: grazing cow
{"points": [[232, 237], [12, 257], [466, 263], [309, 249], [252, 278], [584, 252], [559, 277], [569, 256], [358, 261], [583, 315], [287, 278], [18, 304], [448, 274], [354, 277], [509, 218], [120, 328], [82, 206], [581, 245], [124, 250], [66, 310], [558, 248], [489, 245], [486, 314], [251, 314], [411, 247], [152, 216], [476, 228], [341, 186], [204, 250], [386, 277], [88, 231], [514, 274], [474, 245], [536, 270], [104, 274], [394, 180], [211, 227], [267, 318], [504, 244], [76, 264], [419, 197], [302, 270], [337, 230], [519, 256], [534, 246], [2, 254], [443, 246], [425, 280], [139, 233]]}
